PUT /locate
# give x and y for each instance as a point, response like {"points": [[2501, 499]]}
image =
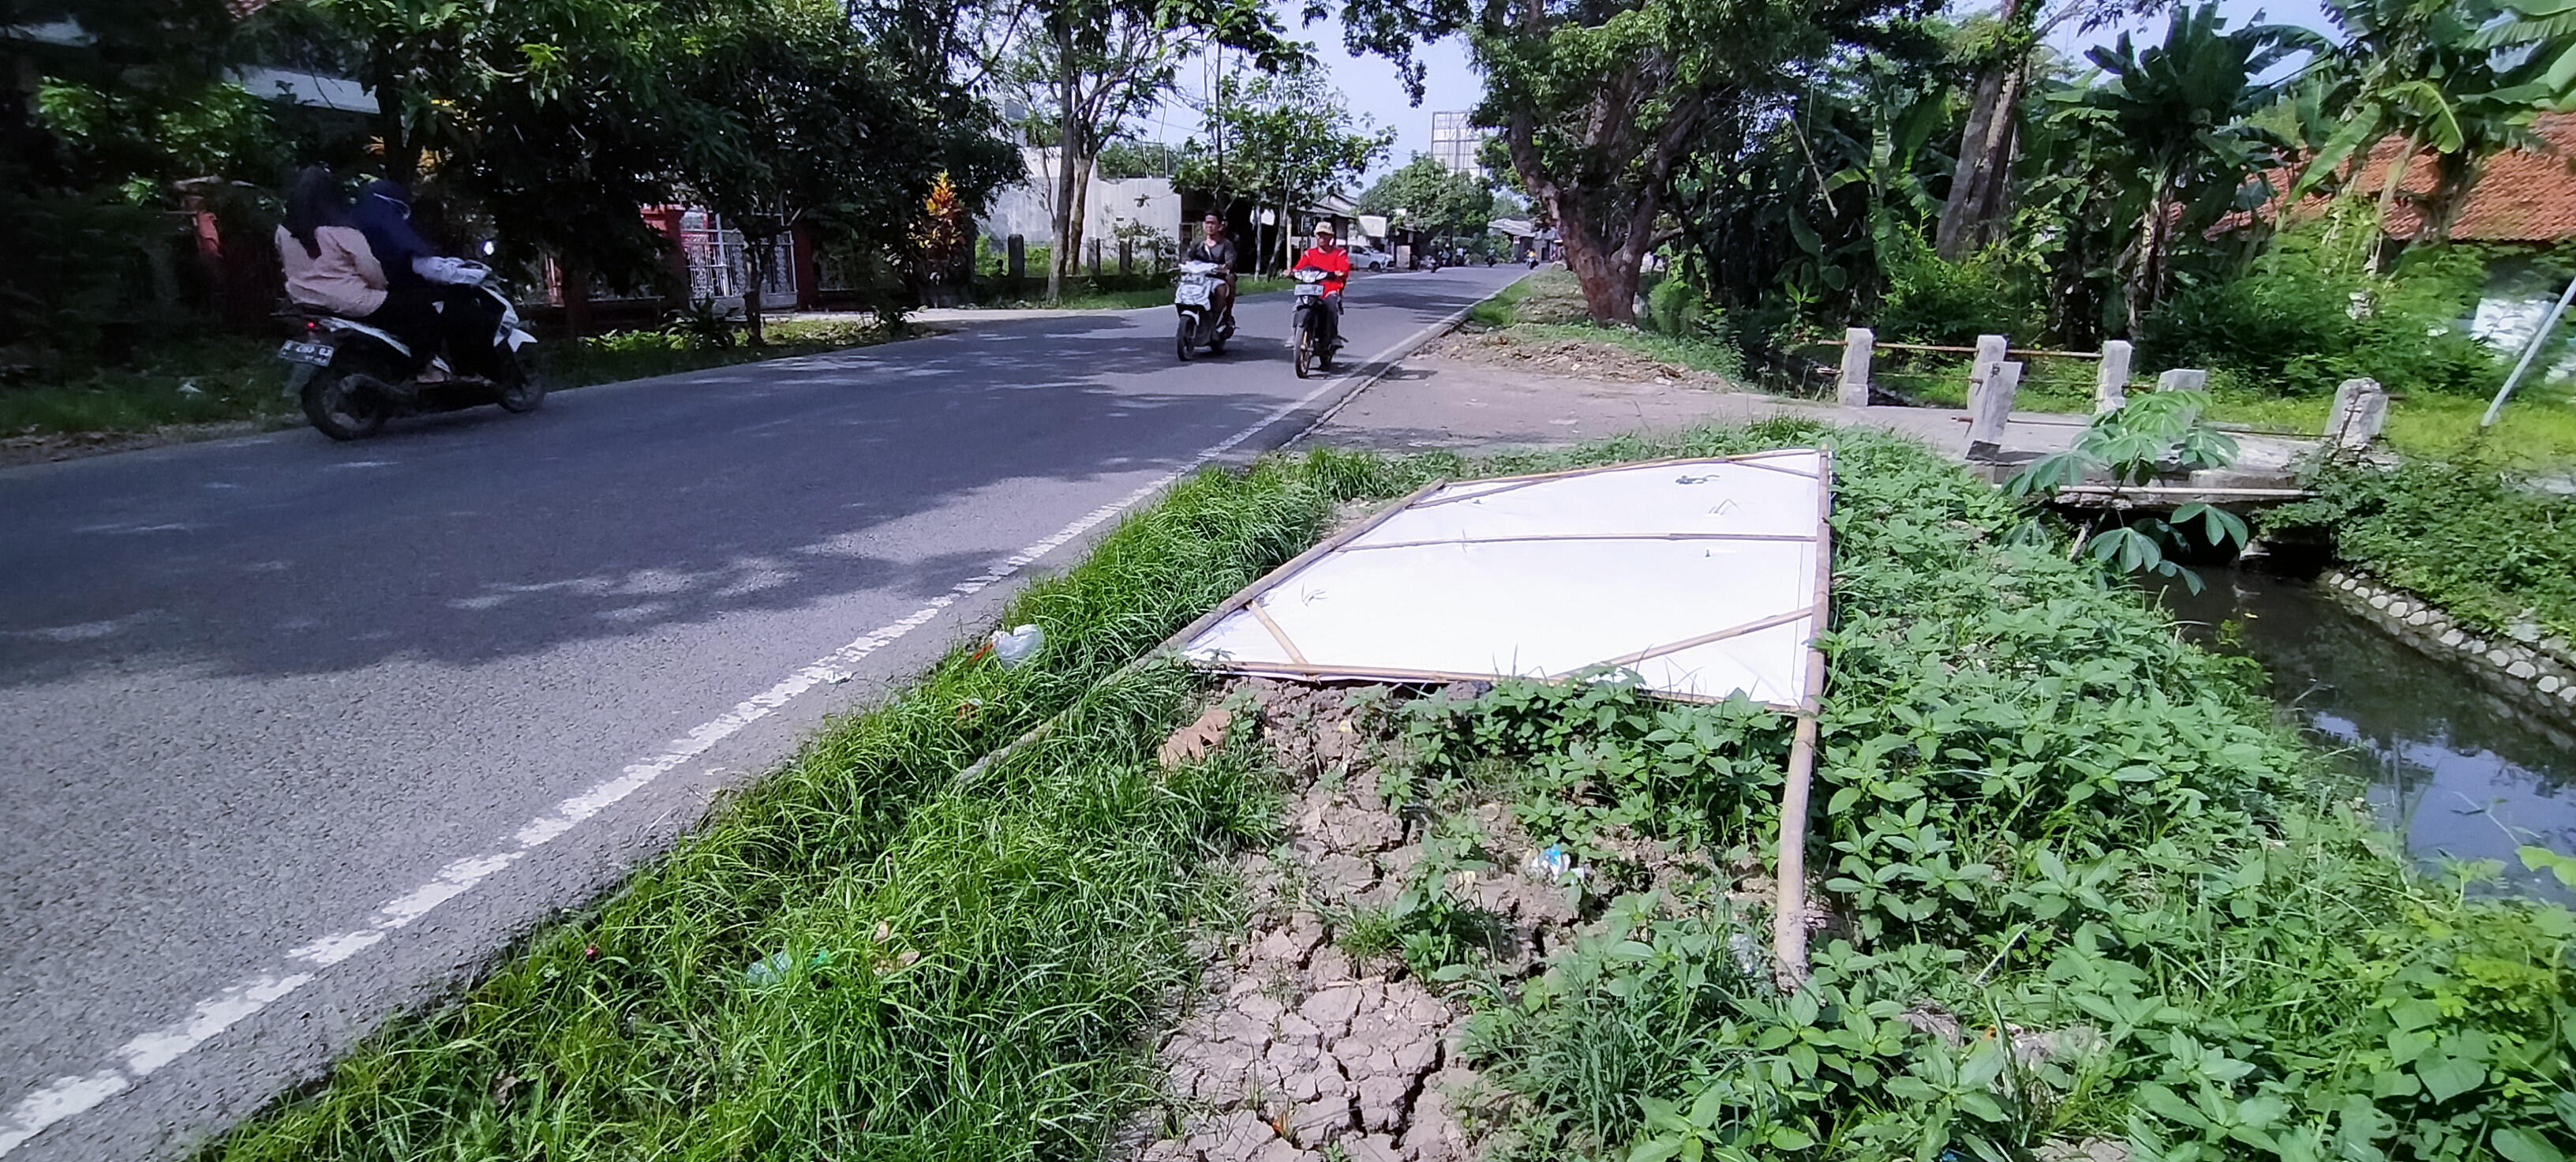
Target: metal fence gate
{"points": [[719, 261]]}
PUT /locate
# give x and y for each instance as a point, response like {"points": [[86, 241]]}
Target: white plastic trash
{"points": [[1018, 645]]}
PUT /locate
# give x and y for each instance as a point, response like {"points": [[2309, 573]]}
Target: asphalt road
{"points": [[305, 731]]}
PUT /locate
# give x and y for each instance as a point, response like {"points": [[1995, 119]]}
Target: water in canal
{"points": [[2454, 768]]}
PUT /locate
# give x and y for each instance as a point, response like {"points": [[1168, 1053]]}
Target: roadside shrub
{"points": [[2293, 331], [1951, 303]]}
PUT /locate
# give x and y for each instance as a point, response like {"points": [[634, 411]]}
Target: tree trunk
{"points": [[1063, 162], [757, 270], [1981, 186], [2147, 271], [1076, 223], [2388, 201]]}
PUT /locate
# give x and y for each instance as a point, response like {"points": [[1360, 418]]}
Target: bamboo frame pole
{"points": [[1789, 916]]}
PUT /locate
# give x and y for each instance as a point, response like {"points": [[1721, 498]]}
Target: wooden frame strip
{"points": [[1277, 634], [1799, 538], [1777, 619], [1789, 913], [1513, 482]]}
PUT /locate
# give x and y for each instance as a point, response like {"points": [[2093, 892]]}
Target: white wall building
{"points": [[1112, 209]]}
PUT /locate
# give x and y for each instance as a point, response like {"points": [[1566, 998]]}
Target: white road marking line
{"points": [[73, 1095]]}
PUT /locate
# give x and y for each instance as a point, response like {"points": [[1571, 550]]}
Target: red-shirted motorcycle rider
{"points": [[1328, 256]]}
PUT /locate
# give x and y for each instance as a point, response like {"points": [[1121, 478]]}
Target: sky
{"points": [[1370, 86]]}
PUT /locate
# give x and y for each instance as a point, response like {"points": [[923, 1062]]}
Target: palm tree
{"points": [[2175, 115]]}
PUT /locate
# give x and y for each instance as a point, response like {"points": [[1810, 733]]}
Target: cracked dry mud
{"points": [[1292, 1048]]}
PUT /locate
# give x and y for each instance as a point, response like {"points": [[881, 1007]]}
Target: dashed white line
{"points": [[72, 1095]]}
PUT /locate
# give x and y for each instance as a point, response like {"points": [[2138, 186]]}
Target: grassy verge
{"points": [[205, 379], [2079, 888], [2537, 431], [1548, 307], [624, 355], [964, 969]]}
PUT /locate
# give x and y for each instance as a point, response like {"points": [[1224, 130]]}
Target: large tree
{"points": [[808, 124], [1290, 140], [1601, 102], [1102, 60]]}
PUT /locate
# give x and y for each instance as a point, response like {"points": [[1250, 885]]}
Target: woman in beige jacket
{"points": [[329, 268]]}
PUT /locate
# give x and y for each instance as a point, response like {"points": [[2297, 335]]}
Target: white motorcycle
{"points": [[1202, 325], [348, 374]]}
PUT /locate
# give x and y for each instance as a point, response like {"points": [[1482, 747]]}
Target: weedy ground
{"points": [[2078, 894]]}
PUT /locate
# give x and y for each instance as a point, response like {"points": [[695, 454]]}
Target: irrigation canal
{"points": [[2458, 771]]}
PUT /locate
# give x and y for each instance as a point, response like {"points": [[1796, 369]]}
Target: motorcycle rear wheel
{"points": [[337, 410]]}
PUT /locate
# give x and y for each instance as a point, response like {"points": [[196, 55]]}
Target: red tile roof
{"points": [[2524, 195]]}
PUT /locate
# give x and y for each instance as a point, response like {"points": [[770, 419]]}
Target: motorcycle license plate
{"points": [[317, 354], [1310, 290]]}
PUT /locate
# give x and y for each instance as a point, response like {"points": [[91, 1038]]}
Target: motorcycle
{"points": [[1316, 333], [348, 375], [1201, 324]]}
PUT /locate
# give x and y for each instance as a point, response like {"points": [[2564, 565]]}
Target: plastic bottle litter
{"points": [[1553, 865], [773, 968], [1018, 645]]}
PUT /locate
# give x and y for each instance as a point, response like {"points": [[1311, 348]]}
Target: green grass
{"points": [[1502, 308], [235, 379], [623, 355], [976, 964], [1548, 307]]}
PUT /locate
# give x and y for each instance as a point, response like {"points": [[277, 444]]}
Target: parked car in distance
{"points": [[1370, 258]]}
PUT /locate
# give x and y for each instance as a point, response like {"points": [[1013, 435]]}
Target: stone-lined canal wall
{"points": [[2537, 673]]}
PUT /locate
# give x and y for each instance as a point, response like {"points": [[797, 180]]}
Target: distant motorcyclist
{"points": [[1327, 255], [466, 315], [1215, 247]]}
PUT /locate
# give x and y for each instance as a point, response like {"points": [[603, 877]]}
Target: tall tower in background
{"points": [[1455, 143]]}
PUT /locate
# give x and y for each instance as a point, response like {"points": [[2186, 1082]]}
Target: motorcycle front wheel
{"points": [[1305, 352], [521, 390], [1183, 339], [339, 410]]}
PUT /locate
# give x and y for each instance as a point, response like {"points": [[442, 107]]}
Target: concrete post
{"points": [[2183, 379], [2111, 380], [1019, 262], [1990, 351], [1991, 408], [1853, 391], [1126, 257], [2360, 410], [1095, 258]]}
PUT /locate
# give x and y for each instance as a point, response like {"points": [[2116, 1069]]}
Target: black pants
{"points": [[458, 319]]}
